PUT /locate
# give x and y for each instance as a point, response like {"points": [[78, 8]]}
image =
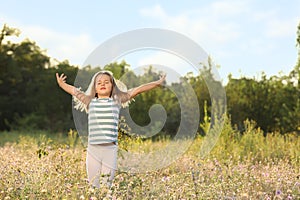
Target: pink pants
{"points": [[101, 164]]}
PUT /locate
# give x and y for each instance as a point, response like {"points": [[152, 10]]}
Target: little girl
{"points": [[102, 101]]}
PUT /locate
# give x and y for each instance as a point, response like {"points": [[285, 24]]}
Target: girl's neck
{"points": [[103, 97]]}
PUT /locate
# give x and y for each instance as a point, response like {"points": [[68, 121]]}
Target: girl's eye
{"points": [[105, 82]]}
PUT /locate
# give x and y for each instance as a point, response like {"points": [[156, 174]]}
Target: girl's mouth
{"points": [[103, 88]]}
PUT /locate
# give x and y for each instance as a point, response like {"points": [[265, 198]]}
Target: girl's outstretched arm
{"points": [[61, 80], [146, 87]]}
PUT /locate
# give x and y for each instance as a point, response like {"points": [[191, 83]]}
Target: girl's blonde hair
{"points": [[119, 93]]}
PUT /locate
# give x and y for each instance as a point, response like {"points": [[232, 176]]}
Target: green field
{"points": [[40, 165]]}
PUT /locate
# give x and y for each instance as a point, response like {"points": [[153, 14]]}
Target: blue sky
{"points": [[243, 37]]}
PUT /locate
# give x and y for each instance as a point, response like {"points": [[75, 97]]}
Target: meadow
{"points": [[247, 165]]}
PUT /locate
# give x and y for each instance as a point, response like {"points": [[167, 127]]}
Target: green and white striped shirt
{"points": [[103, 120]]}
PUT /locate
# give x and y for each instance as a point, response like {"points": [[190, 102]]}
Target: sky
{"points": [[243, 37]]}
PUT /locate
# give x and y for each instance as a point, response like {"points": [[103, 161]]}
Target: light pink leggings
{"points": [[101, 164]]}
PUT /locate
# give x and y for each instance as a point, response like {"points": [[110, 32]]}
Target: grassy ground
{"points": [[249, 166]]}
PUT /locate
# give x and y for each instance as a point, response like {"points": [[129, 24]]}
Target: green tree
{"points": [[19, 81], [29, 96]]}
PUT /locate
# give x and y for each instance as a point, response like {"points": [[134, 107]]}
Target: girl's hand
{"points": [[162, 79], [61, 79]]}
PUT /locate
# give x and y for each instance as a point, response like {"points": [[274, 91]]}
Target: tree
{"points": [[19, 81], [6, 32], [29, 95]]}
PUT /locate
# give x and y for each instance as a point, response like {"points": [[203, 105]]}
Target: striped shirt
{"points": [[103, 120]]}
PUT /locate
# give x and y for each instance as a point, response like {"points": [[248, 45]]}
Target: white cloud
{"points": [[154, 12], [144, 58], [166, 59], [228, 8], [281, 28], [237, 34], [275, 25], [62, 46], [205, 25], [58, 45]]}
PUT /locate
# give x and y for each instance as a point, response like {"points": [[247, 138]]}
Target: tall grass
{"points": [[245, 165]]}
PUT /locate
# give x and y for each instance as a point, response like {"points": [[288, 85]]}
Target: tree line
{"points": [[31, 99]]}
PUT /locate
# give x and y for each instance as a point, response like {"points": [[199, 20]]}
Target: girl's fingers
{"points": [[163, 77], [61, 78], [58, 77]]}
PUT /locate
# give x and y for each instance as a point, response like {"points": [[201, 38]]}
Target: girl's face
{"points": [[103, 85]]}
